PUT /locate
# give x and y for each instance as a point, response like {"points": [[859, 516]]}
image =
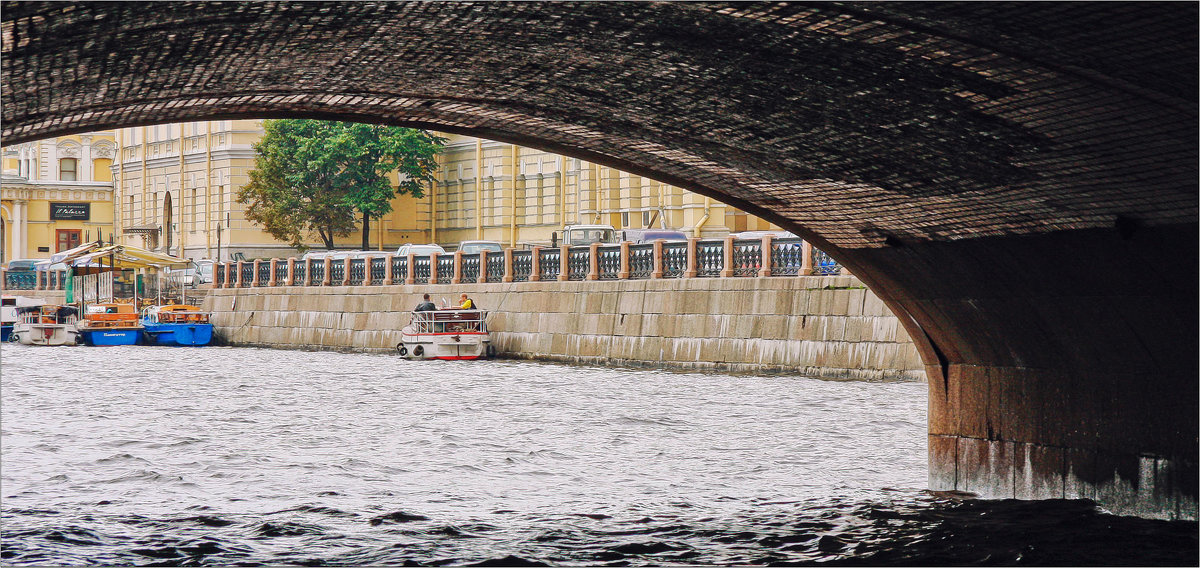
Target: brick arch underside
{"points": [[1022, 194]]}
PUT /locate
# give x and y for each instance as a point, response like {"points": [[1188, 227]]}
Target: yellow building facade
{"points": [[56, 194], [176, 187]]}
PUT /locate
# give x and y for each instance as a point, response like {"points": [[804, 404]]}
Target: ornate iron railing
{"points": [[20, 280], [264, 272], [421, 270], [549, 264], [378, 270], [470, 268], [318, 273], [522, 266], [298, 273], [445, 266], [641, 260], [674, 259], [337, 271], [358, 271], [747, 257], [824, 265], [609, 263], [787, 257], [399, 269], [495, 267], [710, 258], [579, 262]]}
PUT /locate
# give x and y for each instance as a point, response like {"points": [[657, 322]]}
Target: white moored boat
{"points": [[46, 324], [446, 334]]}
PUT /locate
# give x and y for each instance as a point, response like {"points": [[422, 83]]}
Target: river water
{"points": [[240, 456]]}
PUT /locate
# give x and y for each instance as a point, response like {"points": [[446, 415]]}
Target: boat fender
{"points": [[401, 349], [418, 351], [491, 351]]}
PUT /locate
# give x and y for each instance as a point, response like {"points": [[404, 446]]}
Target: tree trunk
{"points": [[326, 238], [366, 231]]}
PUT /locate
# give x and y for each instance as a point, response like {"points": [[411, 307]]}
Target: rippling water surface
{"points": [[236, 456]]}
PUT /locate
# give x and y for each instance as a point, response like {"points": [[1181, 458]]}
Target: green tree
{"points": [[315, 176]]}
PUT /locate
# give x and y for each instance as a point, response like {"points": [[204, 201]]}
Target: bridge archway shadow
{"points": [[1017, 182]]}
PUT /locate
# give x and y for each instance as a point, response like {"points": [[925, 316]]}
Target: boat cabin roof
{"points": [[111, 309]]}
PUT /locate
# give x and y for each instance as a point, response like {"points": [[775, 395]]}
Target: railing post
{"points": [[508, 267], [254, 281], [412, 270], [37, 280], [291, 273], [693, 259], [387, 269], [367, 271], [727, 265], [345, 271], [326, 277], [535, 271], [766, 256], [564, 263], [433, 267], [307, 272], [457, 267], [657, 271], [237, 268], [806, 261], [271, 279], [594, 262], [483, 267], [623, 273]]}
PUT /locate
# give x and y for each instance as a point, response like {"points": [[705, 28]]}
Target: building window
{"points": [[66, 169], [67, 239], [646, 219], [625, 219]]}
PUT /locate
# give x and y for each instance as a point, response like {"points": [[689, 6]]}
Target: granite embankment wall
{"points": [[817, 326]]}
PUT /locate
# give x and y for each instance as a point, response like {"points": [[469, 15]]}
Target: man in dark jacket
{"points": [[425, 306]]}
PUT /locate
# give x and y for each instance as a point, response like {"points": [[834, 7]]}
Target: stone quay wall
{"points": [[830, 327]]}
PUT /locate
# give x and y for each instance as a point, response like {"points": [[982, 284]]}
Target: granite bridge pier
{"points": [[1015, 182]]}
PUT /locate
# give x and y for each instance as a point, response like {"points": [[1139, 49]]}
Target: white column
{"points": [[20, 228], [85, 159]]}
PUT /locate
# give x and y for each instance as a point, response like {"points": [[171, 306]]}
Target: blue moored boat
{"points": [[175, 325], [110, 324]]}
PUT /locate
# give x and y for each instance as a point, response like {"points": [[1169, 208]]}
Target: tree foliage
{"points": [[315, 177]]}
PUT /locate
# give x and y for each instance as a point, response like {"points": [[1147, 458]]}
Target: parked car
{"points": [[585, 235], [189, 276], [473, 247], [206, 270], [651, 235], [23, 264], [746, 235], [419, 250]]}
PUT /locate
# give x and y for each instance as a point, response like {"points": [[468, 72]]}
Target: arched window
{"points": [[66, 169]]}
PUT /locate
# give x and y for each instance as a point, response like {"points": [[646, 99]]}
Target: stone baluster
{"points": [[594, 262], [806, 262], [412, 270], [483, 267], [387, 269], [327, 277], [508, 265], [291, 271], [564, 263], [271, 278], [657, 271], [457, 267], [535, 272], [623, 273], [727, 265], [766, 256]]}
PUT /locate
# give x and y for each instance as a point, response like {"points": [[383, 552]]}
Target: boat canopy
{"points": [[84, 259]]}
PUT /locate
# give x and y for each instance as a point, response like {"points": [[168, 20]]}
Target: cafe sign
{"points": [[70, 211]]}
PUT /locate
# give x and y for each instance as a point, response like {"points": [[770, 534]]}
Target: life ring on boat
{"points": [[418, 351], [491, 351], [401, 349]]}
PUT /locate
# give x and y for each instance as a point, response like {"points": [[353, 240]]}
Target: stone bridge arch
{"points": [[1017, 181]]}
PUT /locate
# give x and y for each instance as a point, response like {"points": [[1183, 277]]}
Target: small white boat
{"points": [[8, 313], [446, 334], [46, 324]]}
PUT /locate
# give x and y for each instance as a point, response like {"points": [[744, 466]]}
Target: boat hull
{"points": [[45, 334], [183, 334], [445, 346], [5, 332], [110, 336]]}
